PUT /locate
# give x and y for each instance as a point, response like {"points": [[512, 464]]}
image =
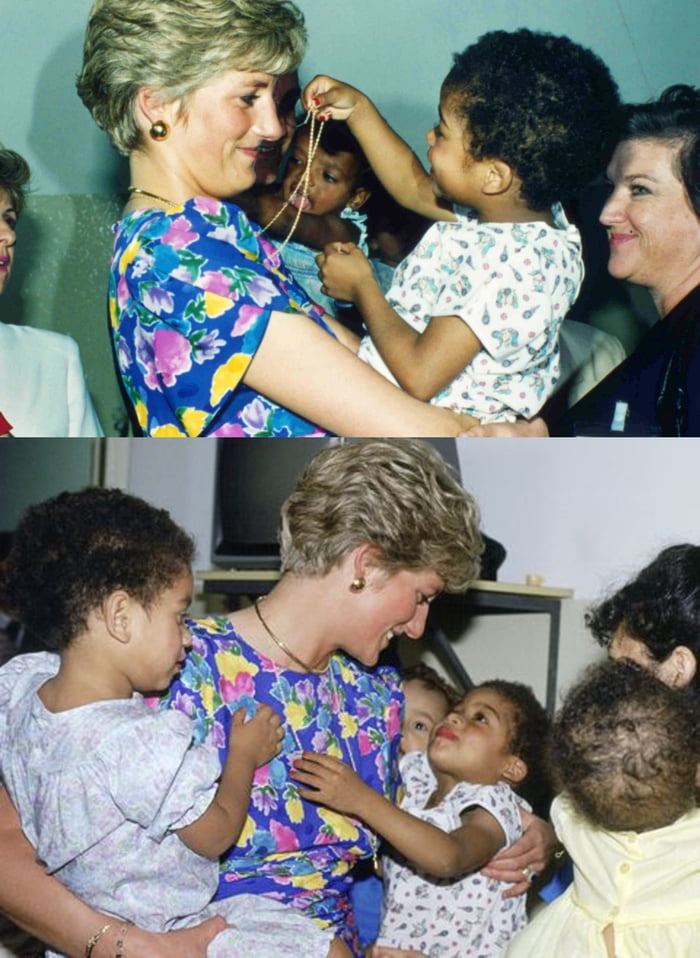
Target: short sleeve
{"points": [[191, 296], [499, 800], [143, 772]]}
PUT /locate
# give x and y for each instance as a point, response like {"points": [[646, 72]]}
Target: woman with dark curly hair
{"points": [[654, 619], [42, 384], [625, 753], [472, 321]]}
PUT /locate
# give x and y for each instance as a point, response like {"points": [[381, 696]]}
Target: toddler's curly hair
{"points": [[625, 748], [70, 552], [541, 103]]}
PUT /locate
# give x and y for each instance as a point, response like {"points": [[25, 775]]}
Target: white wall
{"points": [[582, 513]]}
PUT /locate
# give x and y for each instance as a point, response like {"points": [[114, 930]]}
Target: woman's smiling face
{"points": [[8, 237], [653, 230]]}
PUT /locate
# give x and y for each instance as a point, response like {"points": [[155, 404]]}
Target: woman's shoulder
{"points": [[35, 341]]}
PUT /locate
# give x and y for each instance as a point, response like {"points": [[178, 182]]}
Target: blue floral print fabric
{"points": [[190, 298], [292, 850]]}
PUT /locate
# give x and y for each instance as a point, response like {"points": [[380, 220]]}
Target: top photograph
{"points": [[276, 219]]}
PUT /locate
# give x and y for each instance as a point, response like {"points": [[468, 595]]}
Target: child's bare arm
{"points": [[251, 743], [442, 854], [391, 158], [423, 363]]}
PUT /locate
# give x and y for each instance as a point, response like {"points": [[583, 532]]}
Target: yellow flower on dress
{"points": [[295, 714], [128, 256], [295, 810], [168, 431], [141, 411], [349, 725], [247, 831], [194, 421], [339, 825], [216, 305], [113, 312], [230, 666], [227, 377], [207, 692]]}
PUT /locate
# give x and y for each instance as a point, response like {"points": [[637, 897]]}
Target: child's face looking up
{"points": [[456, 175], [472, 743], [424, 708], [332, 182]]}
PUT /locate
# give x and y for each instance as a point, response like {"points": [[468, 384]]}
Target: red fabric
{"points": [[5, 426]]}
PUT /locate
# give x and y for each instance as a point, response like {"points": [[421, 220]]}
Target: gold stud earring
{"points": [[358, 584], [159, 130]]}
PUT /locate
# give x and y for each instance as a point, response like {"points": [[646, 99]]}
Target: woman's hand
{"points": [[521, 429], [330, 782], [534, 851], [185, 943], [260, 736], [384, 951], [330, 99], [344, 269]]}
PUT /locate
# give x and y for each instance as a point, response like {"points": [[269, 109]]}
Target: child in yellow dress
{"points": [[625, 752]]}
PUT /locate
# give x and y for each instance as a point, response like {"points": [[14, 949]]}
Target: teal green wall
{"points": [[398, 51]]}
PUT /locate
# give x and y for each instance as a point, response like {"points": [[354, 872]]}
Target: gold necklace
{"points": [[314, 140], [280, 644], [153, 196]]}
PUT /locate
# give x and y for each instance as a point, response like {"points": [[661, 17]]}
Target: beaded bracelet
{"points": [[119, 947], [93, 939]]}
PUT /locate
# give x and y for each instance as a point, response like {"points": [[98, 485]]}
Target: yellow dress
{"points": [[646, 884]]}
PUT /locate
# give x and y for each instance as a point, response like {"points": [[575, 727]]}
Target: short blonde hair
{"points": [[176, 46], [400, 496]]}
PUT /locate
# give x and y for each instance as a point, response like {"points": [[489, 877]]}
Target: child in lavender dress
{"points": [[118, 803], [460, 808]]}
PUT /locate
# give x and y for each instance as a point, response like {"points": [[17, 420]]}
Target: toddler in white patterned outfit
{"points": [[460, 808], [472, 319]]}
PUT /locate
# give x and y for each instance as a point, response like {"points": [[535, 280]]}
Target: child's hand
{"points": [[344, 270], [330, 782], [259, 738], [330, 99]]}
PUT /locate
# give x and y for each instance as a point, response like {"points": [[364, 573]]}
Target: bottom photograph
{"points": [[373, 697]]}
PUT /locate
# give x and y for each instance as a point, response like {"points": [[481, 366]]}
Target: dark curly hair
{"points": [[625, 748], [432, 680], [69, 553], [674, 117], [541, 103], [529, 740], [14, 176], [660, 607]]}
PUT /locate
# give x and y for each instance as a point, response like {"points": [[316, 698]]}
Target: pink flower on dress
{"points": [[364, 743], [179, 235], [204, 204], [247, 315], [233, 691], [230, 430], [285, 837], [123, 294], [173, 355], [215, 282]]}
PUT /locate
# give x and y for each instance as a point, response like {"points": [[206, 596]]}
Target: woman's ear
{"points": [[515, 770], [152, 107], [680, 667], [498, 178], [116, 612], [365, 559]]}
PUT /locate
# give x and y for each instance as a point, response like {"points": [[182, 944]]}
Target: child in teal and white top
{"points": [[472, 319]]}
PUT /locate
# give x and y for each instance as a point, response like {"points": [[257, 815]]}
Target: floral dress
{"points": [[450, 917], [290, 850], [191, 293]]}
